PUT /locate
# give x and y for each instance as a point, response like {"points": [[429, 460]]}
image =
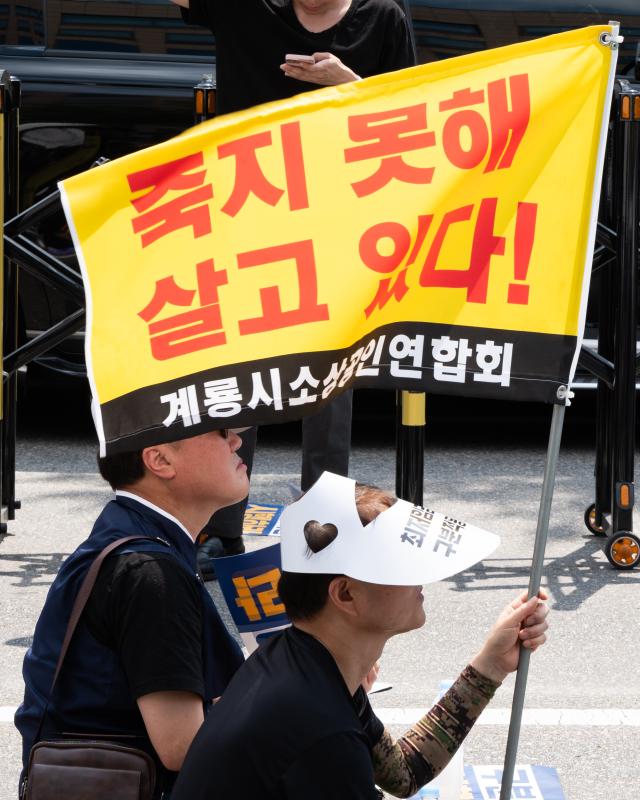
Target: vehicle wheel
{"points": [[623, 550], [590, 522]]}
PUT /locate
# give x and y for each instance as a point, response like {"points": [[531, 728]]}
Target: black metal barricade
{"points": [[21, 253], [616, 362], [10, 107]]}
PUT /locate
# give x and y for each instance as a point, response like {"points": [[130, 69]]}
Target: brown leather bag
{"points": [[87, 769]]}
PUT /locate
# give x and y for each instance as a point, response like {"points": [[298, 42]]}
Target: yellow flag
{"points": [[427, 229]]}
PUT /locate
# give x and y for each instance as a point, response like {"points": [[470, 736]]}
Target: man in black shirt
{"points": [[289, 729], [295, 722], [347, 40], [150, 652]]}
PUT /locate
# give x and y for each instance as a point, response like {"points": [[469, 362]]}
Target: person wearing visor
{"points": [[295, 722], [150, 652]]}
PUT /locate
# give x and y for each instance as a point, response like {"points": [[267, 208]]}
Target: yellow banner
{"points": [[457, 194]]}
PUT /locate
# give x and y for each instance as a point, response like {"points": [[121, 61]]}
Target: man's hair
{"points": [[122, 469], [305, 594]]}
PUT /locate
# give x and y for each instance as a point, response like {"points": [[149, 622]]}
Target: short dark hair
{"points": [[304, 595], [121, 469]]}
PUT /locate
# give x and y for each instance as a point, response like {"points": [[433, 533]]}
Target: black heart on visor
{"points": [[319, 536]]}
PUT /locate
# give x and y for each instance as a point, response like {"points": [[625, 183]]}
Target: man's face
{"points": [[208, 469], [390, 609]]}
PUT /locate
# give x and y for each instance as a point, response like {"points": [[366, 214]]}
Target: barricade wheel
{"points": [[623, 550], [590, 522]]}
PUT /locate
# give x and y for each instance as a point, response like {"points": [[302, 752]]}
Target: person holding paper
{"points": [[295, 721], [329, 42]]}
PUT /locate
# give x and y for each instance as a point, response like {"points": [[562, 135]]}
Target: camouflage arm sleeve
{"points": [[403, 766]]}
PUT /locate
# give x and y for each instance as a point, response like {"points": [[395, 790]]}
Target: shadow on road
{"points": [[571, 579], [31, 569], [22, 641]]}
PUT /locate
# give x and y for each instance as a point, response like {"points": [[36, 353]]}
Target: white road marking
{"points": [[540, 717]]}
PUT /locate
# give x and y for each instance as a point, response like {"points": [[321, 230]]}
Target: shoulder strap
{"points": [[81, 599], [78, 607]]}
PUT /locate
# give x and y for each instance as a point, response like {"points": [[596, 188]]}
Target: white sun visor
{"points": [[406, 545]]}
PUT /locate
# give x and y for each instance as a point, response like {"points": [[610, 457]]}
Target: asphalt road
{"points": [[482, 463]]}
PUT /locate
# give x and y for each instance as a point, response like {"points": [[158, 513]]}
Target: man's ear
{"points": [[341, 595], [158, 460]]}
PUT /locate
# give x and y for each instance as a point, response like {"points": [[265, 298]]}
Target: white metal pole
{"points": [[537, 563]]}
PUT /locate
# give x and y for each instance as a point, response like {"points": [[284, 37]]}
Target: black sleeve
{"points": [[148, 609], [336, 768], [200, 12], [399, 51], [373, 727]]}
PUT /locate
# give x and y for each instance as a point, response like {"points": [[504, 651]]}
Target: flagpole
{"points": [[544, 512]]}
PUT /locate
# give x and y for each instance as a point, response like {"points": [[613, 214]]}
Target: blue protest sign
{"points": [[529, 783], [261, 519], [249, 584]]}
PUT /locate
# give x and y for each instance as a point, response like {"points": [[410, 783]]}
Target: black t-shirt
{"points": [[253, 37], [147, 609], [285, 729]]}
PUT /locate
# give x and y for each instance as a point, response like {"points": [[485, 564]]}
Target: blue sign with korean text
{"points": [[529, 783], [262, 519], [249, 584]]}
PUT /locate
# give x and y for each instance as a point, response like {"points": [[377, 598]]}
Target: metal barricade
{"points": [[616, 363]]}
